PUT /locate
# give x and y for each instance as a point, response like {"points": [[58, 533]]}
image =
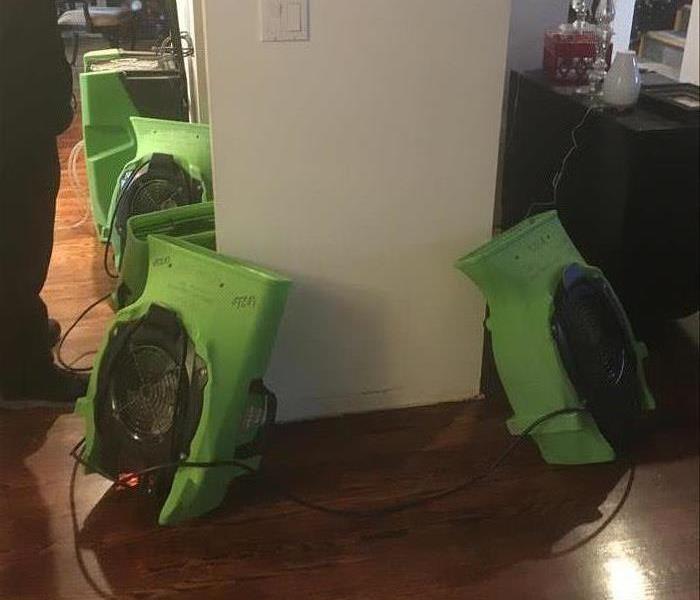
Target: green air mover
{"points": [[179, 377], [116, 86], [193, 223], [172, 168], [560, 340]]}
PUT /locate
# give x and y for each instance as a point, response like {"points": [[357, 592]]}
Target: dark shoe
{"points": [[54, 332], [52, 387]]}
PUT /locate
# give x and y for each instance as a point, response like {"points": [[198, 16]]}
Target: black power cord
{"points": [[631, 472], [108, 242], [76, 528], [398, 506], [77, 452], [59, 348], [108, 271], [438, 495]]}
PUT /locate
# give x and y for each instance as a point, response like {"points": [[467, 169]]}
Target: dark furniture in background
{"points": [[82, 17], [628, 196]]}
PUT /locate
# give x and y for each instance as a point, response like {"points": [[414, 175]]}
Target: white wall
{"points": [[192, 20], [362, 164], [200, 61], [690, 65], [528, 21], [624, 15], [530, 18]]}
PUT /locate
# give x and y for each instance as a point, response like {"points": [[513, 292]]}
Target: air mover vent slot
{"points": [[177, 228]]}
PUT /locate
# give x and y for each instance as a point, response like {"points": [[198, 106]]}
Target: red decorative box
{"points": [[568, 55]]}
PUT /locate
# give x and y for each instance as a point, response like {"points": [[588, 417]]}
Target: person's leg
{"points": [[29, 182]]}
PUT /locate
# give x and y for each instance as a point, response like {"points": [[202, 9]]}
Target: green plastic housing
{"points": [[106, 108], [518, 273], [189, 143], [231, 311], [194, 223]]}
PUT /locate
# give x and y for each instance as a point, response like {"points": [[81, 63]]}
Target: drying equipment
{"points": [[194, 223], [560, 339], [115, 86], [179, 377], [172, 168]]}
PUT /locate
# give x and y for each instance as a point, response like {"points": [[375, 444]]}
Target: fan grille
{"points": [[144, 391], [156, 195], [599, 358], [597, 337]]}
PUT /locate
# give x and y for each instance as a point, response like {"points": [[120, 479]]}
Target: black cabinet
{"points": [[628, 196]]}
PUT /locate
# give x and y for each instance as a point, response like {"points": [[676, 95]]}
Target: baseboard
{"points": [[293, 410]]}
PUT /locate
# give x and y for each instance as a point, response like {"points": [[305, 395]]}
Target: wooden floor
{"points": [[528, 531], [76, 276]]}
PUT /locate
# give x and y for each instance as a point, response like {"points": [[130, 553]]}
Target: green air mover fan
{"points": [[560, 339], [116, 86], [179, 376], [157, 183], [194, 223], [172, 168]]}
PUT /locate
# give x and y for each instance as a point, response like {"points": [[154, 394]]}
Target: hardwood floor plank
{"points": [[529, 531]]}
